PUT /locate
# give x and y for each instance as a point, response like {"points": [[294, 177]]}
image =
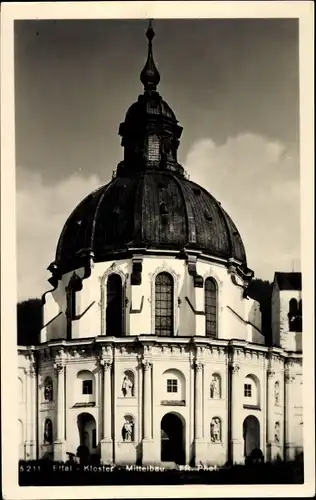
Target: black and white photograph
{"points": [[159, 308]]}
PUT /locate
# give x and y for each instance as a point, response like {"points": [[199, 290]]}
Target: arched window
{"points": [[48, 389], [85, 390], [74, 286], [173, 385], [251, 391], [295, 315], [164, 304], [114, 306], [210, 308], [293, 307]]}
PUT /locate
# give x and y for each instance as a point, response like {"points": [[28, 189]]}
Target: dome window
{"points": [[164, 304], [115, 306], [163, 209], [196, 191], [208, 216], [210, 308]]}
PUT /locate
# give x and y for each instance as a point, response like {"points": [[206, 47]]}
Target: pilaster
{"points": [[60, 443], [107, 442]]}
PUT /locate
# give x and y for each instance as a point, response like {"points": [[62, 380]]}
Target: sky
{"points": [[234, 87]]}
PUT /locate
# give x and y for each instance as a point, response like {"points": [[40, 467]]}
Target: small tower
{"points": [[287, 311]]}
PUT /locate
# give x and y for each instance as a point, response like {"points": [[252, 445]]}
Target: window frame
{"points": [[247, 390], [211, 307], [87, 382], [172, 383], [115, 293], [165, 295]]}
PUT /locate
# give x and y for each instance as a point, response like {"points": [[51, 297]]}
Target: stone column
{"points": [[30, 443], [289, 447], [237, 442], [148, 443], [200, 444], [106, 442], [60, 444]]}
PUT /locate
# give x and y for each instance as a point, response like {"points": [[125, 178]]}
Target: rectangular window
{"points": [[247, 391], [164, 309], [94, 438], [153, 149], [87, 387], [172, 385]]}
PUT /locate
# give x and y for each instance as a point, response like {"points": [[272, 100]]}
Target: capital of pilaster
{"points": [[235, 367], [270, 373], [59, 366], [146, 364], [289, 377], [31, 370], [198, 366], [106, 363]]}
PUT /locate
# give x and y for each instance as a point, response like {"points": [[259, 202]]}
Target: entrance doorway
{"points": [[251, 433], [172, 439], [87, 433]]}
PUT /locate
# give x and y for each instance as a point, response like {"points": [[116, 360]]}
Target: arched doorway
{"points": [[87, 434], [172, 439], [251, 433]]}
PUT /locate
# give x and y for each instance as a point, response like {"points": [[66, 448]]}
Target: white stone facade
{"points": [[229, 393]]}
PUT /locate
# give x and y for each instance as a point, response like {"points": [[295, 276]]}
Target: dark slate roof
{"points": [[155, 210], [289, 281]]}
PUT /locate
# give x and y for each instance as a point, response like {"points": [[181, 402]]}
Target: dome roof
{"points": [[150, 210], [149, 104], [150, 204]]}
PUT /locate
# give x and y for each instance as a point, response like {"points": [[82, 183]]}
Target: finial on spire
{"points": [[150, 76]]}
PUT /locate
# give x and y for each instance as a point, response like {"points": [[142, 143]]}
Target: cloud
{"points": [[257, 182], [41, 213]]}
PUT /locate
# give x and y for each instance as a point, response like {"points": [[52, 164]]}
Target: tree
{"points": [[29, 321]]}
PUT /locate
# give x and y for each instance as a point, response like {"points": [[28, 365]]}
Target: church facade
{"points": [[151, 350]]}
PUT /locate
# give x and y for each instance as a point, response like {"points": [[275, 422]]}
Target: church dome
{"points": [[150, 210], [150, 204]]}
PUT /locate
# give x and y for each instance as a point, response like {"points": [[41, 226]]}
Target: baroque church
{"points": [[151, 350]]}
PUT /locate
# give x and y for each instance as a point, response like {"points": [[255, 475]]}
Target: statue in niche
{"points": [[127, 387], [216, 430], [215, 389], [128, 430], [48, 431], [48, 390], [276, 393], [277, 432]]}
